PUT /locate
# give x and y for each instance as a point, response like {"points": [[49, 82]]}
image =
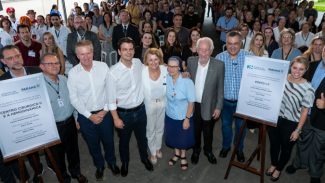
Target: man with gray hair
{"points": [[207, 74], [81, 34]]}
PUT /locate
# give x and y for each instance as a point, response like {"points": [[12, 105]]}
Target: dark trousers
{"points": [[280, 144], [205, 126], [133, 121], [6, 174], [69, 147], [94, 134]]}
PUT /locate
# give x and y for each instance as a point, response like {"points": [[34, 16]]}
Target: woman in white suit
{"points": [[154, 86]]}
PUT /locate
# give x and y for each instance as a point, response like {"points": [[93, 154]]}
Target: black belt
{"points": [[65, 122], [131, 109], [231, 101], [95, 112]]}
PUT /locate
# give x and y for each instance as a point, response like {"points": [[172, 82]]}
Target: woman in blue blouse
{"points": [[179, 130], [287, 51]]}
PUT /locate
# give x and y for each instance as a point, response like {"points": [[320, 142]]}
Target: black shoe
{"points": [[223, 153], [240, 156], [195, 157], [36, 179], [99, 174], [115, 170], [124, 169], [291, 169], [148, 164], [314, 180], [81, 178], [211, 158], [274, 179]]}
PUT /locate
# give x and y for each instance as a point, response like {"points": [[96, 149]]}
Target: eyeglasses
{"points": [[288, 36], [52, 64]]}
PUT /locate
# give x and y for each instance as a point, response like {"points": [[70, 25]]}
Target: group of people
{"points": [[166, 82]]}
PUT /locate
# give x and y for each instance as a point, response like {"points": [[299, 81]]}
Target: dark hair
{"points": [[54, 15], [189, 36], [177, 15], [270, 28], [3, 20], [47, 55], [8, 47], [144, 13], [41, 16], [154, 43], [125, 40], [54, 6], [234, 34], [21, 26], [110, 16]]}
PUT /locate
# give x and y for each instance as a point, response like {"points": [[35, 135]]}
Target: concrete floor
{"points": [[203, 172]]}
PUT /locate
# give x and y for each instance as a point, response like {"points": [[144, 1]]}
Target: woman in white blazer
{"points": [[154, 86]]}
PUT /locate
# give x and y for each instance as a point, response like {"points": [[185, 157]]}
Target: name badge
{"points": [[31, 53], [60, 102], [166, 21]]}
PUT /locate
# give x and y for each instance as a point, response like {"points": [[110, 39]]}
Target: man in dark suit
{"points": [[78, 35], [125, 29], [207, 74], [12, 58]]}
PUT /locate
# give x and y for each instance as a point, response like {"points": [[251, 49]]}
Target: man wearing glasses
{"points": [[63, 113], [234, 59], [12, 58]]}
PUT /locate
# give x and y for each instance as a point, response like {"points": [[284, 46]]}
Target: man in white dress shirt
{"points": [[304, 37], [60, 33], [87, 84], [126, 103]]}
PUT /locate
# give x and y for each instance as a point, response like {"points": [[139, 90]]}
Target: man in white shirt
{"points": [[88, 90], [244, 31], [12, 17], [304, 37], [59, 32], [40, 28], [126, 103], [281, 26], [208, 76]]}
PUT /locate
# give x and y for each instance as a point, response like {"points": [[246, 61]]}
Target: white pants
{"points": [[155, 110]]}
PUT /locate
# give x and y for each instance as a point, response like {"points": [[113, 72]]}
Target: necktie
{"points": [[124, 30]]}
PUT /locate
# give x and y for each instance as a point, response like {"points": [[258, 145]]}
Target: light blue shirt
{"points": [[319, 75], [226, 24], [277, 54], [178, 97], [55, 90], [233, 73]]}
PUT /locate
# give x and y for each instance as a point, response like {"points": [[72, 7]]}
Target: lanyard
{"points": [[306, 38], [286, 57], [57, 33], [57, 91]]}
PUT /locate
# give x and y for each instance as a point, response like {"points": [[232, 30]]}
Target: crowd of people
{"points": [[165, 84]]}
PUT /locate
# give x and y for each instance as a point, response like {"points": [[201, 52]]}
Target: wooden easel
{"points": [[259, 151], [21, 161]]}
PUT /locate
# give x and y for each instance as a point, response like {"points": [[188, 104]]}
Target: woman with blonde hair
{"points": [[314, 52], [287, 51], [257, 47], [49, 46], [154, 75]]}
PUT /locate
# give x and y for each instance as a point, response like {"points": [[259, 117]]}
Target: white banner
{"points": [[26, 116], [261, 88]]}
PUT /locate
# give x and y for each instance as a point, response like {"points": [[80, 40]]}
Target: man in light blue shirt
{"points": [[234, 59], [226, 24]]}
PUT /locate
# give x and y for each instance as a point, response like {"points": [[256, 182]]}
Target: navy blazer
{"points": [[132, 32]]}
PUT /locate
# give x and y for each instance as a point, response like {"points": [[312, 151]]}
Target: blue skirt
{"points": [[176, 136]]}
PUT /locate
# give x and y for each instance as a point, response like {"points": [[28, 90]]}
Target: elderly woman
{"points": [[179, 130], [287, 51], [154, 75], [314, 52], [297, 99]]}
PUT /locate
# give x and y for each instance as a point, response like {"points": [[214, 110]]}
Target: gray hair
{"points": [[175, 58], [207, 40]]}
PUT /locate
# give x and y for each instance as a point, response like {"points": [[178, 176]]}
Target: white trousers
{"points": [[155, 110]]}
